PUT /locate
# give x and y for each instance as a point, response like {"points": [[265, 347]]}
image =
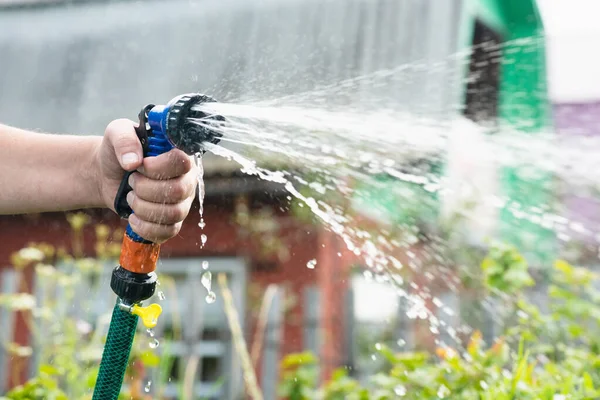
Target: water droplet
{"points": [[204, 264], [377, 346], [443, 391], [154, 343], [147, 387], [161, 295], [400, 390], [200, 167], [401, 342], [211, 297], [157, 282], [203, 239], [206, 280], [373, 357], [150, 332], [311, 264]]}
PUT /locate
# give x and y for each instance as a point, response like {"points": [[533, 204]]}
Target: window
{"points": [[204, 342], [483, 83], [379, 316], [198, 332]]}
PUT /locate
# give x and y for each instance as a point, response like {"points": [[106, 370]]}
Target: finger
{"points": [[169, 191], [157, 233], [169, 165], [128, 149], [159, 213]]}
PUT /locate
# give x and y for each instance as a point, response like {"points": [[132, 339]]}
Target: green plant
{"points": [[300, 373], [66, 333], [541, 355]]}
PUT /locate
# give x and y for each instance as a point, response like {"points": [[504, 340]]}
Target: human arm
{"points": [[43, 172]]}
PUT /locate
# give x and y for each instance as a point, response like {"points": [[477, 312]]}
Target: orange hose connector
{"points": [[137, 257]]}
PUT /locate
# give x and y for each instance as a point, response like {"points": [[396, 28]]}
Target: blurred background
{"points": [[73, 66]]}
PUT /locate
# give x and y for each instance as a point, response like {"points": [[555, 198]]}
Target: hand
{"points": [[163, 186]]}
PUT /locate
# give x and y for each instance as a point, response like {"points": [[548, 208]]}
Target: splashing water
{"points": [[161, 295], [311, 264], [153, 343], [205, 265], [211, 297], [347, 152], [201, 189], [206, 281], [147, 387]]}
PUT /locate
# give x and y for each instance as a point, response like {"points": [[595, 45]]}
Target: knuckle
{"points": [[168, 231], [186, 164], [173, 229], [177, 213], [144, 230], [117, 126], [125, 142], [113, 127], [143, 186], [179, 189]]}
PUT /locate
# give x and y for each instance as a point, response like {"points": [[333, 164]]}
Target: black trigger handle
{"points": [[142, 131]]}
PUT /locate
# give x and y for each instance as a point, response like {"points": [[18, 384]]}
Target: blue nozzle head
{"points": [[176, 121]]}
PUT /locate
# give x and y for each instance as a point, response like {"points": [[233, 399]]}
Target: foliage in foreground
{"points": [[547, 356], [68, 339]]}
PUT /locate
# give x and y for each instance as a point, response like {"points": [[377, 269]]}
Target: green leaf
{"points": [[48, 369], [588, 383], [150, 359]]}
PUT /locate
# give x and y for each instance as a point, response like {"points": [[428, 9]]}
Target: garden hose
{"points": [[161, 128]]}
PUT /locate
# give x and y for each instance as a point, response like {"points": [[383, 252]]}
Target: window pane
{"points": [[211, 369]]}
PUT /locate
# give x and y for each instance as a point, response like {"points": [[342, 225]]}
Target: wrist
{"points": [[91, 173]]}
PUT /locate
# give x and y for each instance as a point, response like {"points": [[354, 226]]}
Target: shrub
{"points": [[541, 355]]}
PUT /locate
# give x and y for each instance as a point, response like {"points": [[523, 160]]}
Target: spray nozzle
{"points": [[187, 126], [180, 123]]}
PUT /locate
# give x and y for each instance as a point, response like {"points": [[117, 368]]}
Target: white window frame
{"points": [[235, 268]]}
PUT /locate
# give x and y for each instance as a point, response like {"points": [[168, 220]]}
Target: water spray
{"points": [[161, 128]]}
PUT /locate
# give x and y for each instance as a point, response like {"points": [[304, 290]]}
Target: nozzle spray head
{"points": [[180, 123], [185, 125]]}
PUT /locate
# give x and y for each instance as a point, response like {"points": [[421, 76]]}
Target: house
{"points": [[88, 62]]}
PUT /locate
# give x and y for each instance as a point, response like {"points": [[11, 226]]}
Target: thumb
{"points": [[128, 149]]}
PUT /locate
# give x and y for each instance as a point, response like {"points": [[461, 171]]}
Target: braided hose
{"points": [[116, 354]]}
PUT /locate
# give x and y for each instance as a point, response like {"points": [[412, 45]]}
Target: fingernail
{"points": [[129, 158], [131, 181], [134, 220], [130, 198]]}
